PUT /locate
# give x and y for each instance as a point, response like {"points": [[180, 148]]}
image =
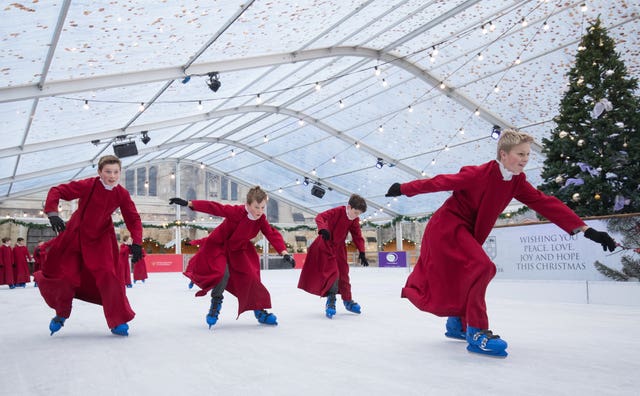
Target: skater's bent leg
{"points": [[476, 312], [344, 286], [218, 289]]}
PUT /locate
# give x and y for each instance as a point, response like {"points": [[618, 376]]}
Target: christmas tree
{"points": [[593, 155], [629, 228]]}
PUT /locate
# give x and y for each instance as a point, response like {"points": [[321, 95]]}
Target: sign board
{"points": [[392, 259], [544, 251]]}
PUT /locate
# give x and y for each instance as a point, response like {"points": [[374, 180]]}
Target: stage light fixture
{"points": [[380, 163], [306, 181], [317, 191], [145, 137], [214, 81], [495, 132]]}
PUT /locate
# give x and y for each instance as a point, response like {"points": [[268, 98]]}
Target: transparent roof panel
{"points": [[74, 80]]}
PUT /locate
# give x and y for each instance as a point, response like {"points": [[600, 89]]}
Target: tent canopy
{"points": [[351, 95]]}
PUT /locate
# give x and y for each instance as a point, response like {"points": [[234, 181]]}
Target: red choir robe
{"points": [[326, 261], [82, 262], [453, 271], [6, 265], [124, 263], [230, 243], [140, 268], [21, 258], [40, 256]]}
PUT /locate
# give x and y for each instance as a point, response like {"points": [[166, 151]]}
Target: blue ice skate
{"points": [[121, 329], [352, 306], [330, 307], [454, 328], [129, 285], [484, 342], [214, 310], [56, 323], [190, 285], [265, 317]]}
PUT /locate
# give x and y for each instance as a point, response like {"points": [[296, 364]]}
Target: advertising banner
{"points": [[392, 259], [164, 262]]}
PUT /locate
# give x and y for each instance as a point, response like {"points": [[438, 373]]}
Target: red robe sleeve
{"points": [[130, 216], [213, 208], [273, 236]]}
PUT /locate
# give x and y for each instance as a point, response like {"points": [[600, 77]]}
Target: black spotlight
{"points": [[145, 137], [214, 82], [380, 163], [317, 191], [306, 181], [495, 132]]}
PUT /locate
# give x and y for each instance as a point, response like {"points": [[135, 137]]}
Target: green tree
{"points": [[629, 228], [592, 158]]}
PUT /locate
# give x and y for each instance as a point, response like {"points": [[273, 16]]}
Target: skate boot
{"points": [[214, 310], [265, 317], [352, 306], [129, 285], [454, 328], [485, 342], [56, 323], [190, 285], [330, 308], [121, 330]]}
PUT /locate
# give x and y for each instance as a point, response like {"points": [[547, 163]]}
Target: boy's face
{"points": [[110, 174], [353, 213], [257, 208], [516, 159]]}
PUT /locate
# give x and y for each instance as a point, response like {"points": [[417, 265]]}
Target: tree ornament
{"points": [[597, 197], [559, 179], [576, 197], [563, 134], [609, 72], [580, 142]]}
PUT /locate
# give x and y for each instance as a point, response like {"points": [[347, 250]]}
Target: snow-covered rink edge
{"points": [[555, 348]]}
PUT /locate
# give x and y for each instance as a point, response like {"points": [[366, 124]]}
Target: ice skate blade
{"points": [[455, 337], [494, 354]]}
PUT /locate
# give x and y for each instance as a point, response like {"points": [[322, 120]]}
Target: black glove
{"points": [[602, 238], [326, 235], [178, 201], [56, 223], [394, 190], [288, 259], [363, 259], [136, 252]]}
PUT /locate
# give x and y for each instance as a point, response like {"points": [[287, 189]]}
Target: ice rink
{"points": [[390, 349]]}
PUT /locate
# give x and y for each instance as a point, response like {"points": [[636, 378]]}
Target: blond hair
{"points": [[510, 138], [108, 160], [256, 194]]}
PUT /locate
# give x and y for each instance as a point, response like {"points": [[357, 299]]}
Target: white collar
{"points": [[506, 173], [249, 215], [106, 186]]}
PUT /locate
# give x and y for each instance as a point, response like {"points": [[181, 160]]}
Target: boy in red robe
{"points": [[326, 271], [21, 259], [124, 261], [228, 260], [6, 264], [453, 270], [82, 261], [140, 269], [39, 257]]}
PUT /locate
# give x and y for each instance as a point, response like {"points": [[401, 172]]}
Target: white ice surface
{"points": [[391, 349]]}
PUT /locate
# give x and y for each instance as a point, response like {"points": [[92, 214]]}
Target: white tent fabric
{"points": [[342, 85]]}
